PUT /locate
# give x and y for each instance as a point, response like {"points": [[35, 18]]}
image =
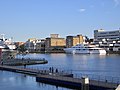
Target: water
{"points": [[108, 65], [15, 81]]}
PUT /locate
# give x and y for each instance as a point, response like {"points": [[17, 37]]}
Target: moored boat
{"points": [[85, 49]]}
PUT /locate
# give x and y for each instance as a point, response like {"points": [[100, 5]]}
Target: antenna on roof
{"points": [[2, 37]]}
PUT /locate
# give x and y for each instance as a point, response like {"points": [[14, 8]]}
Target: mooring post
{"points": [[85, 83], [118, 88]]}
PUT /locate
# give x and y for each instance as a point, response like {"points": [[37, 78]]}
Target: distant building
{"points": [[32, 39], [73, 40], [54, 35], [108, 35], [30, 45], [55, 43], [110, 40], [40, 46], [19, 43]]}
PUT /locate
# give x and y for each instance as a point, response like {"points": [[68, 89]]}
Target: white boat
{"points": [[7, 47], [6, 44], [85, 49]]}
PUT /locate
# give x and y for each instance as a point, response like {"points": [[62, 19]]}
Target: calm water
{"points": [[108, 65]]}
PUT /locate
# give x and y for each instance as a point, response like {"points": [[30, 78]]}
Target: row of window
{"points": [[108, 35], [81, 47], [86, 49], [108, 32]]}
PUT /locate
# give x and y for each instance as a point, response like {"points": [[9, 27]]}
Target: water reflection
{"points": [[15, 81]]}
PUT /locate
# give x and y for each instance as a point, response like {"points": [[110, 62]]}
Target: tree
{"points": [[22, 48]]}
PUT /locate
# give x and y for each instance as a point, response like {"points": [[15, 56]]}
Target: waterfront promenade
{"points": [[60, 78]]}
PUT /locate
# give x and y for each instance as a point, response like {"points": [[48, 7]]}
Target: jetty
{"points": [[61, 78], [23, 62], [75, 83]]}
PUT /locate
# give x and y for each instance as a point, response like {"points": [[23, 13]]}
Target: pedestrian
{"points": [[56, 71], [2, 62], [52, 69]]}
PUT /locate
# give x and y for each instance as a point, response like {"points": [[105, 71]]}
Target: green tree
{"points": [[22, 48]]}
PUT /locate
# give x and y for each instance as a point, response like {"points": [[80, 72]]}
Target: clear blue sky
{"points": [[23, 19]]}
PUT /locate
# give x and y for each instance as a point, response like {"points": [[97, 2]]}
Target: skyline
{"points": [[23, 19]]}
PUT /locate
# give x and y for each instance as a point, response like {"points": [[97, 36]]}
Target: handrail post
{"points": [[118, 88], [85, 83]]}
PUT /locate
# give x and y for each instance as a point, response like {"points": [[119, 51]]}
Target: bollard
{"points": [[118, 88], [85, 83]]}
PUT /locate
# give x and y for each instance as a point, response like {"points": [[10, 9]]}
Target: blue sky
{"points": [[23, 19]]}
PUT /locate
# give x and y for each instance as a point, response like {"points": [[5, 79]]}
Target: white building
{"points": [[106, 35], [34, 44], [107, 39]]}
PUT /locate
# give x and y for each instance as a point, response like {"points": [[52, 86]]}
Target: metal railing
{"points": [[102, 78], [107, 79]]}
